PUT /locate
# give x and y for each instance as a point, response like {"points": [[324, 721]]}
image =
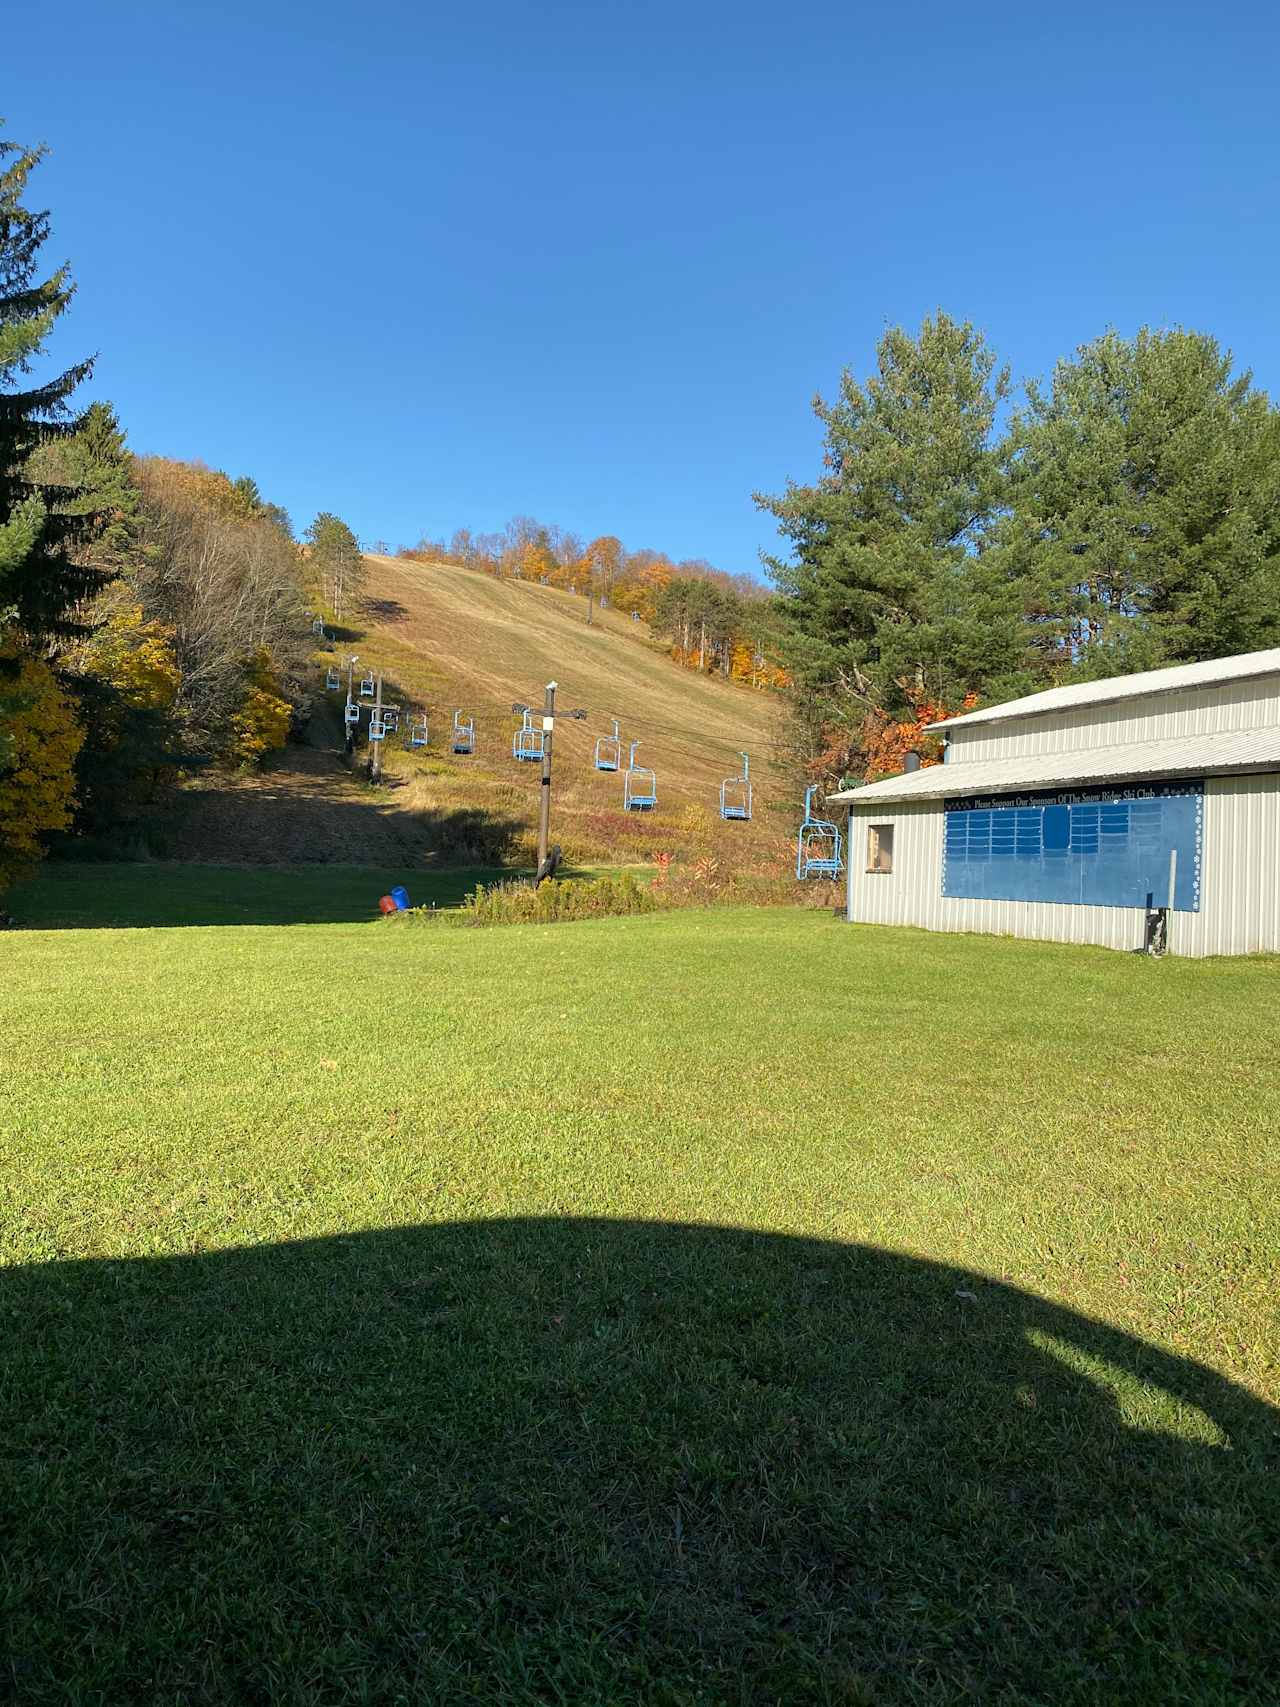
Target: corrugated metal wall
{"points": [[1199, 711], [1240, 895]]}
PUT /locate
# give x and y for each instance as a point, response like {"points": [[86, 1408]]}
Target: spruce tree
{"points": [[97, 462], [888, 597], [41, 582]]}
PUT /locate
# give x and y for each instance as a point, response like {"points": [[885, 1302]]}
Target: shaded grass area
{"points": [[78, 896], [75, 896], [733, 1307]]}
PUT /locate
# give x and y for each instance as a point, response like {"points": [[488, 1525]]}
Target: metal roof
{"points": [[1210, 673], [1192, 755]]}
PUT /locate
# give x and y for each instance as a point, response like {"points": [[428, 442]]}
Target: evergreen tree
{"points": [[99, 465], [41, 579], [889, 599], [248, 498], [1145, 506], [279, 518], [338, 565]]}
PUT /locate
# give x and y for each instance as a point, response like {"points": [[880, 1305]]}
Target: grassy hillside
{"points": [[451, 638], [456, 638], [368, 1333]]}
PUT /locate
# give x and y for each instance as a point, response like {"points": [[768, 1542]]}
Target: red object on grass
{"points": [[387, 905]]}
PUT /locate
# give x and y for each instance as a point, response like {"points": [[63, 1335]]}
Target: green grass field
{"points": [[731, 1307]]}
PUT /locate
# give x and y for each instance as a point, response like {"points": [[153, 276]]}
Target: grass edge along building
{"points": [[1068, 814]]}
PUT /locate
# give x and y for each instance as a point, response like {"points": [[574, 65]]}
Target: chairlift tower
{"points": [[377, 731], [548, 859]]}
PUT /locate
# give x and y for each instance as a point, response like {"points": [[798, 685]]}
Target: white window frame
{"points": [[879, 845]]}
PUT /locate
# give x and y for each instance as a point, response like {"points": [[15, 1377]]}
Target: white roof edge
{"points": [[1209, 672], [865, 797], [1237, 752]]}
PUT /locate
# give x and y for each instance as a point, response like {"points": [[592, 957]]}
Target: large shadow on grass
{"points": [[72, 896], [596, 1462], [277, 824]]}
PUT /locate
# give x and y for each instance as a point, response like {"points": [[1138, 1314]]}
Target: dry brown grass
{"points": [[447, 637], [451, 637]]}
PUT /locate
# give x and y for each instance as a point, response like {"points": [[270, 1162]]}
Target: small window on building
{"points": [[880, 847]]}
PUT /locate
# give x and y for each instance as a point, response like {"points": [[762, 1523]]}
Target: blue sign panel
{"points": [[1093, 847]]}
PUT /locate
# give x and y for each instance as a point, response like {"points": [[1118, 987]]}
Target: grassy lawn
{"points": [[704, 1308]]}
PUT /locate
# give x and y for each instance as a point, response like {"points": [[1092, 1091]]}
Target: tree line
{"points": [[961, 547], [154, 615], [713, 622]]}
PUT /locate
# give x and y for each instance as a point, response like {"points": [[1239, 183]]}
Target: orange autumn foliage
{"points": [[886, 742]]}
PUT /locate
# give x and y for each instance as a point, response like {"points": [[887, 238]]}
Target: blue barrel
{"points": [[401, 898]]}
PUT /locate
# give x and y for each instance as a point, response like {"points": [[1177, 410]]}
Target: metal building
{"points": [[1076, 815]]}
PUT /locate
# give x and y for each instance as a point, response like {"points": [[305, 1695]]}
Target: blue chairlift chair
{"points": [[377, 729], [391, 718], [415, 731], [351, 716], [818, 844], [366, 686], [527, 742], [639, 786], [332, 679], [464, 733], [609, 750], [735, 793]]}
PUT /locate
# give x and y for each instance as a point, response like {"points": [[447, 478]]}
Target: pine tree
{"points": [[1145, 498], [889, 600], [41, 580], [338, 566]]}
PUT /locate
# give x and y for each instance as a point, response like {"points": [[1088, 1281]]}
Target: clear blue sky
{"points": [[431, 266]]}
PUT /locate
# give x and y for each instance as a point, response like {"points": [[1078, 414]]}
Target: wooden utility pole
{"points": [[375, 747], [548, 857], [544, 801], [348, 733]]}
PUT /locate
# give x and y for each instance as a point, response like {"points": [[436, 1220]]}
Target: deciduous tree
{"points": [[37, 760]]}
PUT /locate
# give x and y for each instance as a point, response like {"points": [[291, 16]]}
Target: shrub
{"points": [[520, 903]]}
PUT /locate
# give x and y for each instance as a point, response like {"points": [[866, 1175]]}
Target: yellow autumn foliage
{"points": [[262, 723], [38, 748], [137, 658]]}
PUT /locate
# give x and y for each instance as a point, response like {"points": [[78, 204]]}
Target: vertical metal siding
{"points": [[1240, 895], [1198, 711], [1240, 885]]}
